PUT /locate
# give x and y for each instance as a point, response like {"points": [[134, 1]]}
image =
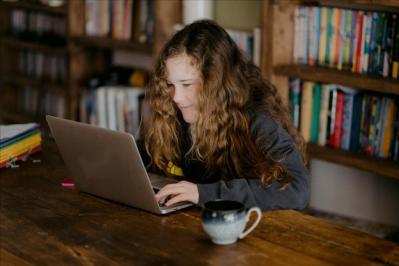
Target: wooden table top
{"points": [[42, 223]]}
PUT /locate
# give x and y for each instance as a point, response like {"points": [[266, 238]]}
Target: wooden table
{"points": [[42, 223]]}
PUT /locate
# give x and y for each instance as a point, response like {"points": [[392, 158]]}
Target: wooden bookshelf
{"points": [[279, 66], [82, 60], [329, 75], [374, 165]]}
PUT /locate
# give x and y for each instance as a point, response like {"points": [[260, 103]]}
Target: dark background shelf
{"points": [[109, 43], [34, 7], [374, 165]]}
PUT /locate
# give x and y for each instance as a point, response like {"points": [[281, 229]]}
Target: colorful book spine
{"points": [[306, 109], [356, 123], [342, 39], [373, 43], [395, 57], [358, 43], [20, 156], [388, 131], [338, 37], [347, 117], [366, 41], [329, 35], [323, 116], [295, 100], [335, 138], [323, 36], [316, 113], [301, 38], [352, 46], [348, 38], [314, 34], [331, 113], [379, 56], [375, 103]]}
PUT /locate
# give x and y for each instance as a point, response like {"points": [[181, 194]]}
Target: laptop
{"points": [[107, 164]]}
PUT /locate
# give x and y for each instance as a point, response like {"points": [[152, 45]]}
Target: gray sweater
{"points": [[251, 191]]}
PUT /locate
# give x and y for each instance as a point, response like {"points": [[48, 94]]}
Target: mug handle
{"points": [[249, 230]]}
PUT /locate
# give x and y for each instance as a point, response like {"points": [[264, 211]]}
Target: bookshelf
{"points": [[84, 55], [278, 65]]}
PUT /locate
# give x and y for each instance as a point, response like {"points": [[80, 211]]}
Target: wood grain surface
{"points": [[42, 223]]}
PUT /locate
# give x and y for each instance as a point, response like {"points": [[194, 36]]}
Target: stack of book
{"points": [[17, 142], [345, 118], [359, 41]]}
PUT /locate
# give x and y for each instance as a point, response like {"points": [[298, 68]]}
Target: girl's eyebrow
{"points": [[181, 80]]}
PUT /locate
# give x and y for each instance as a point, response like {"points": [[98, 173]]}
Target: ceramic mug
{"points": [[225, 220]]}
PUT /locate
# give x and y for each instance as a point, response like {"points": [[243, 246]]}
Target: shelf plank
{"points": [[18, 117], [19, 79], [373, 5], [12, 41], [109, 43], [375, 165], [328, 75], [34, 7]]}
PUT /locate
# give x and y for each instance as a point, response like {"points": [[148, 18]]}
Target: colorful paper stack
{"points": [[17, 142]]}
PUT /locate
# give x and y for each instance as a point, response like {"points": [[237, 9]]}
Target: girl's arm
{"points": [[276, 142]]}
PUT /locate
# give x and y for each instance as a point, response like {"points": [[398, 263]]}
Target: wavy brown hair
{"points": [[221, 136]]}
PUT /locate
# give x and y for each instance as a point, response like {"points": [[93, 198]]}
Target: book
{"points": [[373, 43], [358, 43], [9, 132], [323, 35], [295, 101], [300, 34], [388, 128], [365, 122], [338, 37], [323, 116], [313, 34], [366, 41], [329, 36], [347, 116], [306, 109], [19, 157], [356, 123], [348, 38], [372, 133], [315, 113], [20, 147], [332, 102], [17, 142], [335, 136], [342, 39]]}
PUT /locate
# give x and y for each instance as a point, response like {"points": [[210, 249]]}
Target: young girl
{"points": [[220, 127]]}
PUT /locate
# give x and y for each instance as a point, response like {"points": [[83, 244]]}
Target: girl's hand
{"points": [[182, 191]]}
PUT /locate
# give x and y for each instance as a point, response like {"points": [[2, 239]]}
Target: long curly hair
{"points": [[221, 136]]}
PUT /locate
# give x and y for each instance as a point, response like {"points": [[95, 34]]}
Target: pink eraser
{"points": [[67, 182]]}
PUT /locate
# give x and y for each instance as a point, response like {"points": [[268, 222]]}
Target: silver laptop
{"points": [[107, 164]]}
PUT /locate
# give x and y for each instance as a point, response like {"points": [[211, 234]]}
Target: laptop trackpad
{"points": [[159, 181]]}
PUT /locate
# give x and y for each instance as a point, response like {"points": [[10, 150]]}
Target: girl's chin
{"points": [[189, 118]]}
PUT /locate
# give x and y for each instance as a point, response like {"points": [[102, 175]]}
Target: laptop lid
{"points": [[106, 163]]}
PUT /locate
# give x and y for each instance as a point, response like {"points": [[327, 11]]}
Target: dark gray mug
{"points": [[225, 220]]}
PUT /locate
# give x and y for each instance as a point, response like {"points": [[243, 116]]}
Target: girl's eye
{"points": [[186, 85]]}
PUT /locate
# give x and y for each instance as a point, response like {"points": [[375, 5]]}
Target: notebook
{"points": [[108, 164]]}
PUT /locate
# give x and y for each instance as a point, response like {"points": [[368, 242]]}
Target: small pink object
{"points": [[67, 182]]}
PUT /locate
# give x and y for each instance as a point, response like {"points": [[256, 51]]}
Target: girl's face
{"points": [[184, 82]]}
